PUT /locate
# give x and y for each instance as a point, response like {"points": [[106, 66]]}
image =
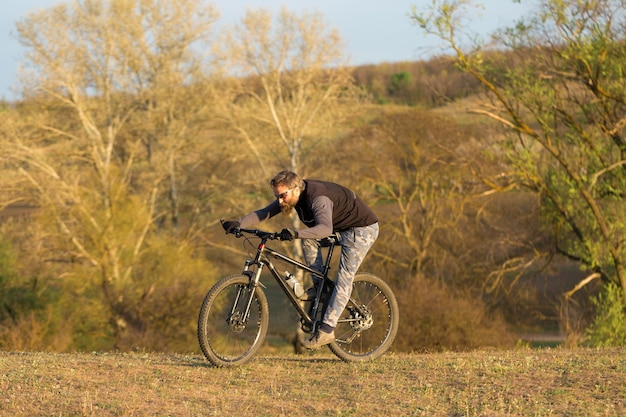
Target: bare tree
{"points": [[414, 174], [119, 85], [288, 73]]}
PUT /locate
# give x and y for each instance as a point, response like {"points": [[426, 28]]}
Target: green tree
{"points": [[609, 326], [561, 94], [400, 85]]}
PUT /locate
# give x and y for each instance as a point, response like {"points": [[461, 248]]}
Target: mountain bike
{"points": [[234, 316]]}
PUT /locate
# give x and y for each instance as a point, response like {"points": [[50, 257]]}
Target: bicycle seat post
{"points": [[329, 242]]}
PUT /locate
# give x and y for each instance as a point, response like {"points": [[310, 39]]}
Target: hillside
{"points": [[448, 259], [520, 382]]}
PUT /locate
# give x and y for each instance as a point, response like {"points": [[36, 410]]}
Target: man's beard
{"points": [[287, 208]]}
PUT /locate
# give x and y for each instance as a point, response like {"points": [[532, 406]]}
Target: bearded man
{"points": [[325, 208]]}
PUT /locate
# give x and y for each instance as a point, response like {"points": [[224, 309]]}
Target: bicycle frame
{"points": [[253, 269]]}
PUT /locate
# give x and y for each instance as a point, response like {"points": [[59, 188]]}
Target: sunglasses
{"points": [[283, 195]]}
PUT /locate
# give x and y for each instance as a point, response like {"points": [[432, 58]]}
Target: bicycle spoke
{"points": [[369, 322], [227, 336]]}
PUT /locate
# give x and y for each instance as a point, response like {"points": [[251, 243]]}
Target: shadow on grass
{"points": [[198, 361]]}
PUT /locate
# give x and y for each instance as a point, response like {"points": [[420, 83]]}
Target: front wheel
{"points": [[369, 323], [229, 332]]}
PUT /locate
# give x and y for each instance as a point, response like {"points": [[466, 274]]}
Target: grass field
{"points": [[523, 382]]}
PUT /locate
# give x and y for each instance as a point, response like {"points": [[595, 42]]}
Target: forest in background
{"points": [[132, 165]]}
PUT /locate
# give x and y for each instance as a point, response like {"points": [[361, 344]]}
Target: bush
{"points": [[27, 317], [609, 326], [436, 317]]}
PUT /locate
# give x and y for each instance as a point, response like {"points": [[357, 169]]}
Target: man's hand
{"points": [[231, 226], [288, 234]]}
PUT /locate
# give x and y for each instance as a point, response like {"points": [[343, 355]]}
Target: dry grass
{"points": [[520, 382]]}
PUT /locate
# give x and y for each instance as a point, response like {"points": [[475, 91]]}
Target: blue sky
{"points": [[374, 31]]}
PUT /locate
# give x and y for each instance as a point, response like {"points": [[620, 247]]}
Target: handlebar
{"points": [[239, 232], [324, 242]]}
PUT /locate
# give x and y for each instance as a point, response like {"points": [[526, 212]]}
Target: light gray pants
{"points": [[355, 243]]}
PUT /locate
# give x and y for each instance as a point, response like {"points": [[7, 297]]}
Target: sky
{"points": [[374, 31]]}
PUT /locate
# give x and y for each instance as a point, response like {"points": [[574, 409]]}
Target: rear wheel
{"points": [[369, 323], [226, 334]]}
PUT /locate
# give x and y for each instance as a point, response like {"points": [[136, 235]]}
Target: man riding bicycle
{"points": [[325, 208]]}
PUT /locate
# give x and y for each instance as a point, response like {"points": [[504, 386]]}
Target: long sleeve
{"points": [[260, 215], [322, 208]]}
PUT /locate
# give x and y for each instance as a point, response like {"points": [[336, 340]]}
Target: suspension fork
{"points": [[254, 276]]}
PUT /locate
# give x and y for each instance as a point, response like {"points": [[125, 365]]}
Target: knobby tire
{"points": [[230, 339], [363, 338]]}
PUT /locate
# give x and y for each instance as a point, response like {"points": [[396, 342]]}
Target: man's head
{"points": [[287, 187]]}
